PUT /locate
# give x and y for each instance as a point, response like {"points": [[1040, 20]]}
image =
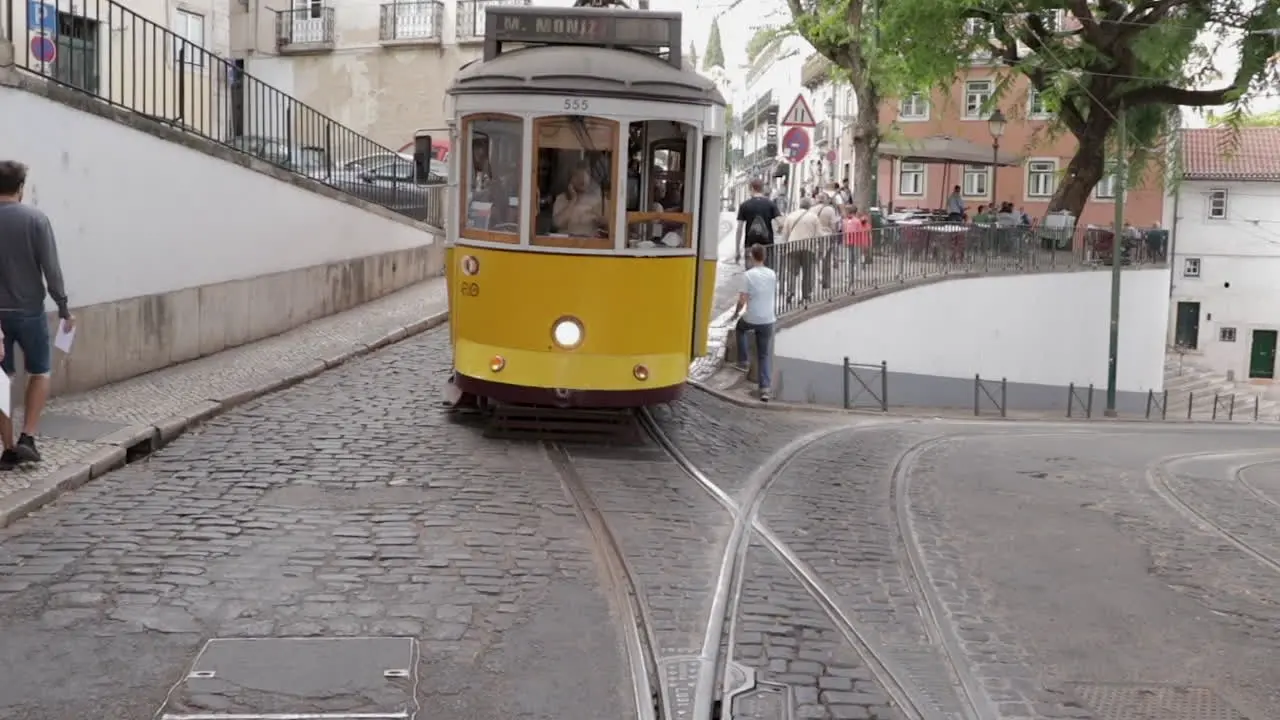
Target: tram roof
{"points": [[579, 70]]}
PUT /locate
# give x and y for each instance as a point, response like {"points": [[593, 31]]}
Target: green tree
{"points": [[713, 56], [1269, 119], [1087, 59], [760, 40], [844, 32]]}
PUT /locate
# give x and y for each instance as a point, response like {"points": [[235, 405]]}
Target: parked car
{"points": [[388, 182]]}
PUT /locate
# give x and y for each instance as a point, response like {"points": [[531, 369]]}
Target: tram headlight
{"points": [[640, 372], [497, 363], [567, 332]]}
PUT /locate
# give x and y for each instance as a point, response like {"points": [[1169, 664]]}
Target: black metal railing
{"points": [[105, 50], [304, 28], [471, 16], [401, 21], [824, 269]]}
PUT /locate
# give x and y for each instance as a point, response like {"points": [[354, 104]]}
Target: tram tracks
{"points": [[1158, 479]]}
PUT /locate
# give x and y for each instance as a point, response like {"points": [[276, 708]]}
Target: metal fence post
{"points": [[1071, 397], [977, 387], [1164, 406], [1191, 399], [1231, 411], [1151, 395], [1215, 407], [1256, 399], [884, 385], [844, 377], [1004, 396], [1088, 403]]}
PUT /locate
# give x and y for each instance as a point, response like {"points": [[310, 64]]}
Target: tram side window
{"points": [[574, 181], [491, 179], [662, 192]]}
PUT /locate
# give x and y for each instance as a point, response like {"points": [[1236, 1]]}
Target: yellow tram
{"points": [[584, 221]]}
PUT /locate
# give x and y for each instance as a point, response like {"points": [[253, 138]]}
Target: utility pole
{"points": [[1122, 183]]}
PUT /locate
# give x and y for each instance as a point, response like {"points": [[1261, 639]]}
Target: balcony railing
{"points": [[471, 16], [117, 57], [304, 29], [411, 21]]}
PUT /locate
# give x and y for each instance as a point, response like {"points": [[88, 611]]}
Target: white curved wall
{"points": [[1044, 330]]}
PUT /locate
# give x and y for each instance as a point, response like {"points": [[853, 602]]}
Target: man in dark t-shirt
{"points": [[755, 219]]}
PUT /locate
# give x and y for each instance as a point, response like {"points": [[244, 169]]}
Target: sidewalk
{"points": [[86, 435]]}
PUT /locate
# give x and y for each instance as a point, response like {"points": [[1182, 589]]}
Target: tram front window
{"points": [[491, 177], [662, 186], [573, 181]]}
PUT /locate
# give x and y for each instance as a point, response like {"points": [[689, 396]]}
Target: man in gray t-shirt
{"points": [[28, 264]]}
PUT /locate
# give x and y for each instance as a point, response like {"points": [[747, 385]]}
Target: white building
{"points": [[771, 84], [1225, 221], [379, 67]]}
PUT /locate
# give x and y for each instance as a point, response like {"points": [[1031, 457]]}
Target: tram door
{"points": [[707, 242]]}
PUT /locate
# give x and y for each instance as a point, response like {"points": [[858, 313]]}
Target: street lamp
{"points": [[996, 124]]}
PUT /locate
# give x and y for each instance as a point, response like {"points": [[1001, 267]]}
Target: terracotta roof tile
{"points": [[1210, 154]]}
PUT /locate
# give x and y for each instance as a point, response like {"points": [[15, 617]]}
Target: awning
{"points": [[943, 149]]}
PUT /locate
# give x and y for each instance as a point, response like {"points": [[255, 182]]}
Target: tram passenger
{"points": [[579, 210]]}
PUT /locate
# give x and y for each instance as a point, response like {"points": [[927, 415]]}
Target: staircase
{"points": [[1187, 381]]}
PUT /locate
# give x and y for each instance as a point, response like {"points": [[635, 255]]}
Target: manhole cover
{"points": [[1154, 702], [318, 678]]}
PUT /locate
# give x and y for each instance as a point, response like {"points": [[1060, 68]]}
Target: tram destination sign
{"points": [[568, 27]]}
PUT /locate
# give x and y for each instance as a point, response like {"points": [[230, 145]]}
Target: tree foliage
{"points": [[1087, 58], [1267, 119], [713, 55], [760, 40]]}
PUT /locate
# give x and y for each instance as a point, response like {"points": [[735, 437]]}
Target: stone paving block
{"points": [[98, 425]]}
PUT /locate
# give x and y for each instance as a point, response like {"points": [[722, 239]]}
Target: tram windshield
{"points": [[573, 181], [660, 184], [492, 146]]}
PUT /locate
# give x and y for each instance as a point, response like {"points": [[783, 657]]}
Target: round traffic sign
{"points": [[43, 49], [795, 144]]}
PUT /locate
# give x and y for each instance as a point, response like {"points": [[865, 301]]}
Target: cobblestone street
{"points": [[346, 506]]}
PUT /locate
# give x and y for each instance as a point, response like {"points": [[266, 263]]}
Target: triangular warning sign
{"points": [[799, 115]]}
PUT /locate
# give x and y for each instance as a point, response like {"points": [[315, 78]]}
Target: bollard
{"points": [[1088, 404], [1191, 399], [1255, 407], [844, 382], [1231, 411], [1214, 416], [884, 385], [977, 386], [1004, 397], [1151, 395], [1071, 397], [1164, 406]]}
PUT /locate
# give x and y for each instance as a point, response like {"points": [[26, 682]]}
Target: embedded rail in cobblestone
{"points": [[720, 681], [639, 641], [1158, 479]]}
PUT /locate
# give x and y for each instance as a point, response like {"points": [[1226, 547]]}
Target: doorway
{"points": [[1186, 333], [1262, 355]]}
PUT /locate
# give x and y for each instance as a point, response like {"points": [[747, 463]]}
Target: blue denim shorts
{"points": [[30, 332]]}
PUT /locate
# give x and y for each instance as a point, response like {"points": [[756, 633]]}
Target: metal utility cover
{"points": [[1154, 702], [766, 702], [320, 678]]}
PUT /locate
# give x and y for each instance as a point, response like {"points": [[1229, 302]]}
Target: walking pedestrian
{"points": [[800, 233], [28, 265], [755, 219], [756, 313]]}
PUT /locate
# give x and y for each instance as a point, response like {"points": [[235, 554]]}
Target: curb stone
{"points": [[135, 442]]}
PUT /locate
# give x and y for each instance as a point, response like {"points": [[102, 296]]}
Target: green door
{"points": [[1262, 354]]}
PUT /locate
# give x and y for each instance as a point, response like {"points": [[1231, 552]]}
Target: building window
{"points": [[1226, 334], [1036, 109], [1042, 178], [1106, 188], [1051, 19], [977, 180], [980, 33], [977, 96], [914, 107], [911, 179], [1217, 204], [1191, 267], [79, 56], [189, 46]]}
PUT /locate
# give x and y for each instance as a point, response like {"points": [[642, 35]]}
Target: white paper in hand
{"points": [[4, 395], [64, 338]]}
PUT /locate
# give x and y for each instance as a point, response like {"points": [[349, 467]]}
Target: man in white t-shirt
{"points": [[759, 299]]}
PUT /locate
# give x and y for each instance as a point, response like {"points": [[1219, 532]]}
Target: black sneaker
{"points": [[8, 460], [26, 449]]}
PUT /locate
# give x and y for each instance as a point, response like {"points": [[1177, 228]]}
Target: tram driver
{"points": [[579, 210]]}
